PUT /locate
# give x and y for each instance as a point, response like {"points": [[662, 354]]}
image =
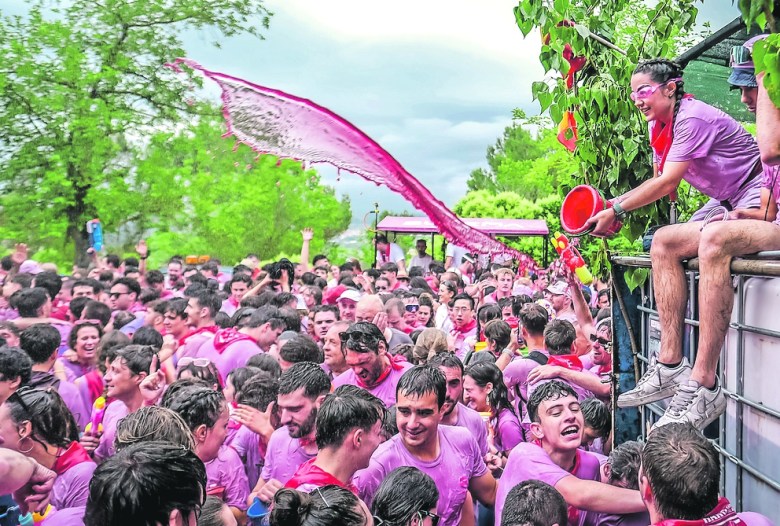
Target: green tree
{"points": [[80, 86], [531, 165], [227, 201]]}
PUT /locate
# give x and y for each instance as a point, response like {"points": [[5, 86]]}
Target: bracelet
{"points": [[620, 213], [144, 258]]}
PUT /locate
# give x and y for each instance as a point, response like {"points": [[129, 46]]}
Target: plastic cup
{"points": [[579, 205], [257, 511]]}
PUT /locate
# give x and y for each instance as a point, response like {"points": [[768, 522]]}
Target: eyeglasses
{"points": [[425, 513], [601, 341], [197, 362], [412, 308], [115, 295], [645, 92], [739, 56]]}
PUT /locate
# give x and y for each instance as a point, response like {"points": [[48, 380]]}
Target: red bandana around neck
{"points": [[567, 361], [73, 456], [396, 364], [465, 328], [212, 329], [722, 515]]}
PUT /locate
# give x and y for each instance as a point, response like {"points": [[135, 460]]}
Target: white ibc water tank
{"points": [[760, 433]]}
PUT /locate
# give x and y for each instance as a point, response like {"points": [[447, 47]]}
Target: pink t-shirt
{"points": [[723, 155], [227, 479], [247, 444], [285, 455], [459, 461], [506, 431], [234, 355], [115, 412], [71, 488], [471, 420], [385, 391], [529, 461], [771, 180]]}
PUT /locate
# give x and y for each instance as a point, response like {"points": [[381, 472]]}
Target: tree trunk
{"points": [[76, 212]]}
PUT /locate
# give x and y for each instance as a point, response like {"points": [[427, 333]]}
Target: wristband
{"points": [[620, 213], [144, 258]]}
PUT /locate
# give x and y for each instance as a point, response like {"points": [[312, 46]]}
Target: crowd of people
{"points": [[417, 393]]}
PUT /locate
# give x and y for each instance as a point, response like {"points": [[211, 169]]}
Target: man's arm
{"points": [[767, 125], [585, 379], [143, 253], [602, 498], [581, 309], [30, 482], [307, 234], [484, 488]]}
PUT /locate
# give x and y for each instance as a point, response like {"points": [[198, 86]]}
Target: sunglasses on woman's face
{"points": [[645, 92]]}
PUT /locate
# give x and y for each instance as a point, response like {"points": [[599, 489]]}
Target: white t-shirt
{"points": [[457, 254], [424, 262], [396, 255]]}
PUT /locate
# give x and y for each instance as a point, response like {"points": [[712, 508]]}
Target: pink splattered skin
{"points": [[273, 122]]}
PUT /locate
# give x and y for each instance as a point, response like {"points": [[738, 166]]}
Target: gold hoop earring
{"points": [[24, 452]]}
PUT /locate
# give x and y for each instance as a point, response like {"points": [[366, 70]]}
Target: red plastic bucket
{"points": [[582, 203]]}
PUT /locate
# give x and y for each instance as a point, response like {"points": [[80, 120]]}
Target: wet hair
{"points": [[624, 462], [180, 384], [300, 348], [50, 282], [552, 390], [211, 512], [208, 373], [10, 327], [148, 336], [683, 470], [40, 341], [404, 493], [153, 423], [283, 299], [132, 285], [77, 306], [178, 307], [197, 405], [14, 363], [485, 372], [290, 318], [520, 301], [51, 420], [326, 308], [534, 318], [137, 358], [96, 310], [266, 314], [123, 318], [222, 320], [240, 375], [559, 335], [464, 296], [109, 344], [534, 503], [266, 362], [258, 391], [500, 332], [327, 506], [448, 360], [421, 380], [488, 313], [368, 329], [307, 376], [142, 484], [341, 413], [29, 301], [154, 277], [662, 71], [390, 424], [407, 351], [596, 415], [209, 300]]}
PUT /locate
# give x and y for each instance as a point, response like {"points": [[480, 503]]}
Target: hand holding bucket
{"points": [[580, 206]]}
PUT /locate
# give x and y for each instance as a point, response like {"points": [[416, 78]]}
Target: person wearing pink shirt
{"points": [[302, 389], [38, 424], [201, 309], [679, 481], [449, 455], [231, 348], [552, 455], [237, 287], [505, 280], [371, 366], [464, 325], [349, 429]]}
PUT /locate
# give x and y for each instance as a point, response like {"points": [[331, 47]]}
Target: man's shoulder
{"points": [[467, 414], [459, 437], [345, 378]]}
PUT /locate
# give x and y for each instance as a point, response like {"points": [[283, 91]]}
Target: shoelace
{"points": [[683, 399], [651, 371]]}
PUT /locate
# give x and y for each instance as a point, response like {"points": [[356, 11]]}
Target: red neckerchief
{"points": [[308, 473], [722, 515], [94, 382], [470, 326], [567, 361], [73, 456], [396, 362], [211, 329], [229, 336], [661, 138]]}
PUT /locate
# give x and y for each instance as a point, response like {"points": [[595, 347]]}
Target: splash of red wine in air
{"points": [[273, 122]]}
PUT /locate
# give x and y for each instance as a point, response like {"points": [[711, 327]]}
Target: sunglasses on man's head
{"points": [[739, 56], [357, 337]]}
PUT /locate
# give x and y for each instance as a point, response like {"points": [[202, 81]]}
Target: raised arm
{"points": [[307, 234]]}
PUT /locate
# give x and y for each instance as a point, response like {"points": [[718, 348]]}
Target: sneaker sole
{"points": [[623, 402], [700, 426]]}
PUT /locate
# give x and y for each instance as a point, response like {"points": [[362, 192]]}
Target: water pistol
{"points": [[572, 258], [95, 426], [95, 231]]}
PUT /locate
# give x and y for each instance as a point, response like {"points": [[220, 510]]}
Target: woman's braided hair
{"points": [[197, 405], [661, 71]]}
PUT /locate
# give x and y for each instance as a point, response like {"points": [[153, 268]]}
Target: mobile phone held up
{"points": [[95, 231]]}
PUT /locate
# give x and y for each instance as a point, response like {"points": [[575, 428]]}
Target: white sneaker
{"points": [[658, 382], [695, 404]]}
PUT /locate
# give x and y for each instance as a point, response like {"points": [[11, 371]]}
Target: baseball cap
{"points": [[349, 294], [558, 288], [30, 267]]}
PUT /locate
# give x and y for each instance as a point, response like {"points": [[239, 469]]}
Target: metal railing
{"points": [[745, 416]]}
